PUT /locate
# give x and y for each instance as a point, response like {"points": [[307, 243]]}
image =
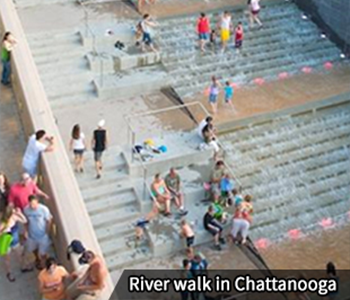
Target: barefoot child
{"points": [[212, 40], [229, 95], [142, 222], [187, 232], [239, 36]]}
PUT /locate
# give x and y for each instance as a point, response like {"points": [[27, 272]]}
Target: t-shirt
{"points": [[225, 22], [226, 184], [173, 182], [51, 280], [239, 34], [20, 193], [32, 153], [201, 126], [5, 54], [145, 27], [203, 25], [214, 89], [228, 92], [255, 5], [208, 219], [100, 140], [217, 174], [37, 221], [78, 144]]}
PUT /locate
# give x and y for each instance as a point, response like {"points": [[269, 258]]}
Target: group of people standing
{"points": [[225, 28], [27, 227]]}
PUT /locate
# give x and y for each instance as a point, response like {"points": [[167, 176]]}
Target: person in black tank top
{"points": [[99, 144]]}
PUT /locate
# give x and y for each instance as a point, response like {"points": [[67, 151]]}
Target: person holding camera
{"points": [[36, 145]]}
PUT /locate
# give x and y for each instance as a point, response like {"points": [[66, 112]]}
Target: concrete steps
{"points": [[31, 3], [286, 43], [312, 151]]}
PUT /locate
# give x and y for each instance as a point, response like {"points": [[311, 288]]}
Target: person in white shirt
{"points": [[36, 146], [254, 8], [77, 144], [146, 25], [225, 25]]}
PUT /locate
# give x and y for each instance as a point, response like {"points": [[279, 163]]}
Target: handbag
{"points": [[5, 243]]}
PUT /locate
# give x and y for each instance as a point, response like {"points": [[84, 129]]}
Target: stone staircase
{"points": [[113, 205], [297, 169], [286, 43], [31, 3], [63, 67]]}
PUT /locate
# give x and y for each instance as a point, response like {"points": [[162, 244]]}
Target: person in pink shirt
{"points": [[203, 29], [20, 192]]}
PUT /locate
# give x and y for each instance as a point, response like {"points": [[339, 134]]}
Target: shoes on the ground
{"points": [[183, 212], [218, 247], [222, 241], [98, 176], [27, 270], [167, 214]]}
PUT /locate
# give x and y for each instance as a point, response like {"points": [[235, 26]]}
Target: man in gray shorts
{"points": [[39, 223]]}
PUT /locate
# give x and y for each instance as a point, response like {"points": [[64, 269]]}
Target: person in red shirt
{"points": [[239, 36], [203, 29], [20, 192]]}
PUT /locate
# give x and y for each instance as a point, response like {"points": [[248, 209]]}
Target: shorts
{"points": [[146, 38], [225, 35], [240, 226], [203, 36], [214, 231], [42, 246], [189, 241], [32, 171], [238, 43], [255, 12], [78, 151], [228, 99], [98, 155], [215, 189], [213, 98]]}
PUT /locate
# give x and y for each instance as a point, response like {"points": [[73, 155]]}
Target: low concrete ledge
{"points": [[66, 202], [122, 86], [130, 61]]}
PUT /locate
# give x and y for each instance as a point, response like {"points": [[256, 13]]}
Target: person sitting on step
{"points": [[161, 193], [173, 183]]}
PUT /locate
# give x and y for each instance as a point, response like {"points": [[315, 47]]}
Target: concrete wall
{"points": [[333, 16], [66, 204]]}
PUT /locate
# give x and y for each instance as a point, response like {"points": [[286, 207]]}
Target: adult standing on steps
{"points": [[146, 25], [203, 29], [226, 28], [8, 42], [254, 9], [99, 145], [78, 145]]}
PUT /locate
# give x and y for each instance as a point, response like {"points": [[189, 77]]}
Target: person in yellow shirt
{"points": [[51, 281]]}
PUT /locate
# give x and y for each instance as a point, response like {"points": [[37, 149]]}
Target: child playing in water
{"points": [[239, 36], [229, 95], [142, 222], [187, 232], [212, 40]]}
